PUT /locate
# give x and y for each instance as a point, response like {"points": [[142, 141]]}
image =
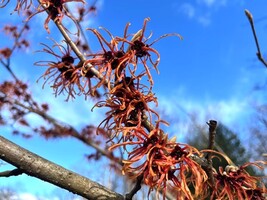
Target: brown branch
{"points": [[137, 187], [73, 132], [80, 29], [212, 132], [25, 27], [14, 172], [259, 55], [38, 167]]}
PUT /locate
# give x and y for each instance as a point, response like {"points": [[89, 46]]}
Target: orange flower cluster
{"points": [[121, 56], [128, 105], [235, 183], [164, 164], [116, 63], [64, 74], [55, 9]]}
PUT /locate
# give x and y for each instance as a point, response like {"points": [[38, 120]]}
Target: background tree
{"points": [[226, 141]]}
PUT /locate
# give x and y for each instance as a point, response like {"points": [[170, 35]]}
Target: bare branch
{"points": [[137, 187], [73, 132], [250, 19], [212, 132], [45, 170]]}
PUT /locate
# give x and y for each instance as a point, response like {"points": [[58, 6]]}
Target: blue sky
{"points": [[211, 72]]}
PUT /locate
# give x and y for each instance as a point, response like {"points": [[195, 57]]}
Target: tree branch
{"points": [[74, 132], [250, 19], [38, 167], [212, 132], [137, 187]]}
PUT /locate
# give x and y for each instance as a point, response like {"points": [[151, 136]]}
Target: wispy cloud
{"points": [[188, 9], [77, 111], [181, 112], [201, 10], [211, 3], [205, 20]]}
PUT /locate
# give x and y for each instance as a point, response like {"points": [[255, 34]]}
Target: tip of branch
{"points": [[249, 15]]}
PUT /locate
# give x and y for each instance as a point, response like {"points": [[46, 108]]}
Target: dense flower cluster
{"points": [[164, 164], [55, 9], [128, 105], [122, 55], [235, 183], [63, 73], [116, 63]]}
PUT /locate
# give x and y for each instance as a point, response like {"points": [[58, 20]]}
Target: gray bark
{"points": [[36, 166]]}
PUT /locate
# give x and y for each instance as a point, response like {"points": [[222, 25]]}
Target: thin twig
{"points": [[259, 55], [14, 172], [74, 132], [81, 30], [137, 187], [7, 65]]}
